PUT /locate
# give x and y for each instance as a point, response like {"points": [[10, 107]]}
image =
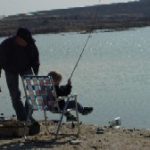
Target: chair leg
{"points": [[26, 123], [61, 118], [77, 114], [25, 129], [59, 125], [45, 119]]}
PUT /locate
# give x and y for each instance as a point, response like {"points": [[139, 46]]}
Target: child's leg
{"points": [[81, 109], [72, 105]]}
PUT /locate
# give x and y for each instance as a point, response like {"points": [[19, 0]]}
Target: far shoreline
{"points": [[82, 31]]}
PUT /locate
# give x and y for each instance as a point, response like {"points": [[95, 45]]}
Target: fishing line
{"points": [[86, 42]]}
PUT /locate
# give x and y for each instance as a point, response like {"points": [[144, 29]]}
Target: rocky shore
{"points": [[92, 137]]}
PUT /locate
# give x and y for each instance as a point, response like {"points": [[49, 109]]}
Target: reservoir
{"points": [[113, 75]]}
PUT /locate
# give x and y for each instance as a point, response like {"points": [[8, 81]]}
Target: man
{"points": [[18, 56]]}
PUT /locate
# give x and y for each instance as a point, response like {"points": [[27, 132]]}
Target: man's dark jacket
{"points": [[17, 59]]}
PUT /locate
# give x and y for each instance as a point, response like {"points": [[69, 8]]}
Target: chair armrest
{"points": [[71, 96]]}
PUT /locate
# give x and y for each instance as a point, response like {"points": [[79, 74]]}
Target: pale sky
{"points": [[11, 7]]}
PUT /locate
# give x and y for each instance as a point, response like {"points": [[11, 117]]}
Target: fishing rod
{"points": [[80, 55], [86, 42]]}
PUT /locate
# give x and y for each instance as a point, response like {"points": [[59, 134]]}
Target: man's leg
{"points": [[34, 128], [13, 86], [28, 107]]}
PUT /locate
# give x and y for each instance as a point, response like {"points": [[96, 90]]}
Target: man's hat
{"points": [[25, 34]]}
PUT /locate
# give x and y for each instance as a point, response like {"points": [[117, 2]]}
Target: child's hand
{"points": [[69, 82]]}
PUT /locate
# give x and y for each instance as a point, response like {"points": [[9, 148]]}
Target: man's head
{"points": [[25, 34]]}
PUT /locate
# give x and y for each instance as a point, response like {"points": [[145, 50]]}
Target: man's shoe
{"points": [[87, 110], [34, 128]]}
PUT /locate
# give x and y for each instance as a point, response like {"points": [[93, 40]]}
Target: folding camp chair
{"points": [[41, 95]]}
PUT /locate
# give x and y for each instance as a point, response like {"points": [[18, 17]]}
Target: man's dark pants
{"points": [[12, 80]]}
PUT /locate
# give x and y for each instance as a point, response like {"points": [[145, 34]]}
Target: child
{"points": [[65, 90]]}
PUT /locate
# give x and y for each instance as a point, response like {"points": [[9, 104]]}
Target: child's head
{"points": [[56, 77]]}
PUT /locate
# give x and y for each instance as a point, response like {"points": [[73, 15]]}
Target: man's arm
{"points": [[35, 63], [0, 77], [0, 63], [1, 53]]}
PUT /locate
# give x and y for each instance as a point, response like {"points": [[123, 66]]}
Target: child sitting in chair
{"points": [[65, 90]]}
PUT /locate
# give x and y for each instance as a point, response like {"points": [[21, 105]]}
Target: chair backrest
{"points": [[39, 91]]}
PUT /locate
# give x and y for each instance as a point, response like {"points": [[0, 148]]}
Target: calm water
{"points": [[113, 75]]}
